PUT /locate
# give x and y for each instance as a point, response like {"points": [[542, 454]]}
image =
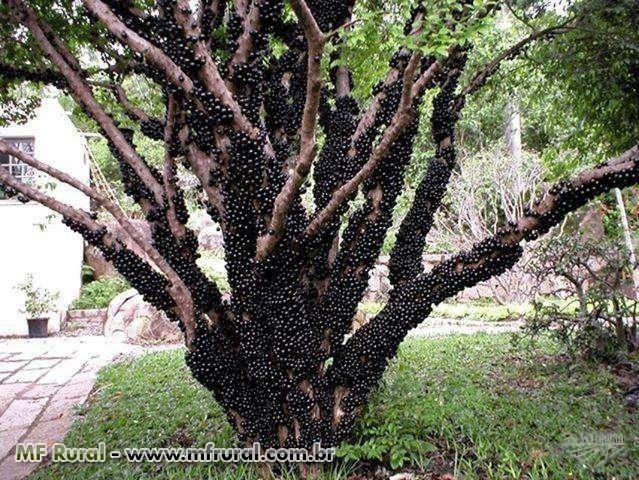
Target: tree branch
{"points": [[357, 368], [308, 147], [401, 119], [97, 234], [210, 15], [82, 93], [406, 258], [210, 74], [169, 169], [479, 79], [181, 294], [311, 29], [342, 81], [44, 75], [405, 261], [137, 43], [132, 110], [173, 72], [561, 199], [251, 17], [32, 193]]}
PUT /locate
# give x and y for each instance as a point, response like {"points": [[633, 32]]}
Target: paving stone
{"points": [[49, 432], [29, 354], [53, 356], [92, 366], [11, 390], [21, 413], [12, 470], [8, 439], [4, 403], [8, 352], [11, 366], [41, 363], [62, 350], [42, 410], [24, 376], [82, 377], [61, 408], [40, 391], [75, 390], [63, 371], [95, 364]]}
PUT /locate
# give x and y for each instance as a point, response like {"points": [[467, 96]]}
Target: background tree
{"points": [[259, 103]]}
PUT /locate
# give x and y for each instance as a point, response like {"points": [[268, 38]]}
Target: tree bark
{"points": [[632, 259], [245, 119], [512, 132]]}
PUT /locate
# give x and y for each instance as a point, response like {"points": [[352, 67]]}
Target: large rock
{"points": [[135, 321], [208, 232], [378, 283], [199, 220], [85, 322], [210, 238]]}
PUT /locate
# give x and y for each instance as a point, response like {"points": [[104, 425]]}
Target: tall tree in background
{"points": [[248, 88]]}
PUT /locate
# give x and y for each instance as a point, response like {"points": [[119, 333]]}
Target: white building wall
{"points": [[53, 254]]}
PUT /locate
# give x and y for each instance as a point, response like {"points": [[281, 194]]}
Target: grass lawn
{"points": [[464, 405], [479, 309], [485, 312], [467, 310]]}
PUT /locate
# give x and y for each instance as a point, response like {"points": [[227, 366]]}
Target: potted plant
{"points": [[38, 305]]}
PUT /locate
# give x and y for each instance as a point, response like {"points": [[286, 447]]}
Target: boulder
{"points": [[133, 320], [210, 238], [114, 307], [402, 476], [378, 283], [200, 220]]}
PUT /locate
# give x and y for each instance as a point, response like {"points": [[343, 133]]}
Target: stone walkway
{"points": [[41, 381], [437, 327]]}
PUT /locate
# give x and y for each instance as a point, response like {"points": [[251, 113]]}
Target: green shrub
{"points": [[37, 301], [99, 293], [601, 322]]}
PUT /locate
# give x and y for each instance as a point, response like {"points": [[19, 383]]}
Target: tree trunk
{"points": [[244, 118], [634, 267], [512, 130]]}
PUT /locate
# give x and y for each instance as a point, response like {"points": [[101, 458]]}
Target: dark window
{"points": [[20, 171]]}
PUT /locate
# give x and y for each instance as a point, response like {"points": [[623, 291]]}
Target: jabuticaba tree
{"points": [[245, 118]]}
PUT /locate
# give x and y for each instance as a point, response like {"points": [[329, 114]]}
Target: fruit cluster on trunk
{"points": [[243, 117]]}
